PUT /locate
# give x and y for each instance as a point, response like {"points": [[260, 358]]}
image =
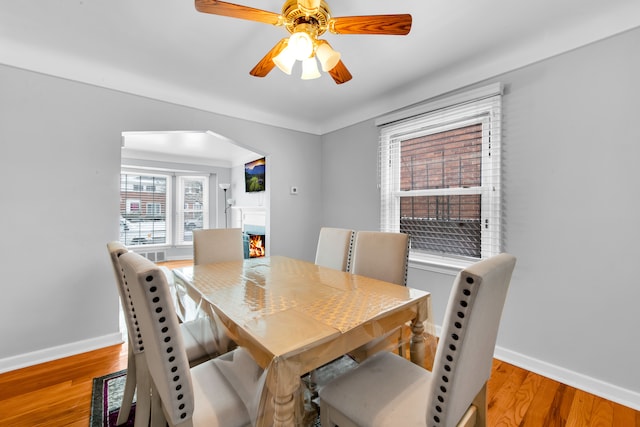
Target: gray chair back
{"points": [[465, 351], [381, 255], [217, 245], [334, 248], [116, 249]]}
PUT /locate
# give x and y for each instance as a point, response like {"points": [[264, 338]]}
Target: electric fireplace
{"points": [[257, 244], [252, 221]]}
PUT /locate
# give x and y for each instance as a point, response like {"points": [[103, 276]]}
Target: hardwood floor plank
{"points": [[602, 414], [504, 398], [499, 374], [56, 393], [581, 410], [560, 407], [522, 399], [538, 411], [624, 416]]}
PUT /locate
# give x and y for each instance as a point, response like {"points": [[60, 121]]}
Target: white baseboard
{"points": [[574, 379], [48, 354], [582, 382]]}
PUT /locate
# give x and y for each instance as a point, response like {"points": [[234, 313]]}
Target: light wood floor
{"points": [[58, 394]]}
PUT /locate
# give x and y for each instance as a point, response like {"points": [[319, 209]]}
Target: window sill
{"points": [[438, 264]]}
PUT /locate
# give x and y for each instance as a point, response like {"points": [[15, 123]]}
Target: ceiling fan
{"points": [[306, 20]]}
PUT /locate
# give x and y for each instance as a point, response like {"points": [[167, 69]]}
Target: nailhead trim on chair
{"points": [[350, 253], [138, 343], [465, 299], [406, 260], [158, 308], [159, 312]]}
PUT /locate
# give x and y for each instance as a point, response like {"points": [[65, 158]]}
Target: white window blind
{"points": [[439, 177]]}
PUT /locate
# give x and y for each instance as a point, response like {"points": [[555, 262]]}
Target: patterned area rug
{"points": [[106, 398], [107, 393]]}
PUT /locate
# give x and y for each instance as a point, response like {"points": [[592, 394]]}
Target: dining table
{"points": [[294, 316]]}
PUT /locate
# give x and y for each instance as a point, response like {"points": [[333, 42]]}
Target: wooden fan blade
{"points": [[340, 74], [394, 25], [266, 64], [237, 11]]}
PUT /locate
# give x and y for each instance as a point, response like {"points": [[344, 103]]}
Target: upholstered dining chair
{"points": [[223, 391], [333, 251], [215, 245], [199, 342], [210, 245], [381, 255], [334, 248], [387, 387]]}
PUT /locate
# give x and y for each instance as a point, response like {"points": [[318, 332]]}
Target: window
{"points": [[192, 206], [143, 208], [154, 209], [440, 179], [147, 207]]}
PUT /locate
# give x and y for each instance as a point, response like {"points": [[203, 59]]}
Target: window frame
{"points": [[180, 202], [168, 214], [479, 106]]}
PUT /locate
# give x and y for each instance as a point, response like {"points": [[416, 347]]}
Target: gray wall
{"points": [[571, 147], [60, 165]]}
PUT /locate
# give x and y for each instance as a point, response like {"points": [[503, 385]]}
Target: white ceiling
{"points": [[167, 50], [188, 147]]}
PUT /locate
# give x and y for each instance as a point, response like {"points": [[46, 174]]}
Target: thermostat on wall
{"points": [[294, 190]]}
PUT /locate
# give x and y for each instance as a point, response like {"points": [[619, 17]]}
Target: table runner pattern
{"points": [[267, 286]]}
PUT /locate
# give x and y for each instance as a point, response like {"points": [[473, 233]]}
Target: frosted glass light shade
{"points": [[224, 186], [327, 56], [310, 69], [285, 60], [301, 45]]}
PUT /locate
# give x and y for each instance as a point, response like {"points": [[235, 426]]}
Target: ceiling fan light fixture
{"points": [[310, 69], [328, 57], [300, 45], [285, 60], [306, 20]]}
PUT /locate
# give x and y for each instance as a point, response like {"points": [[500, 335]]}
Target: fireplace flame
{"points": [[256, 246]]}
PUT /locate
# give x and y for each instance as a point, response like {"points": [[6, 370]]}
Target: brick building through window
{"points": [[449, 159]]}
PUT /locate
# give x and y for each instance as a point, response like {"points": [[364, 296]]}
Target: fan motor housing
{"points": [[295, 16]]}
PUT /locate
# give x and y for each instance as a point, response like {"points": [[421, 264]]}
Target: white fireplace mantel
{"points": [[248, 216]]}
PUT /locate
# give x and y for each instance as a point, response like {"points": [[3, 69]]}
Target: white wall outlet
{"points": [[294, 190]]}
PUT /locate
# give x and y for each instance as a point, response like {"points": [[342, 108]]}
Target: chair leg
{"points": [[476, 414], [469, 418], [143, 397], [157, 414], [480, 402], [129, 388]]}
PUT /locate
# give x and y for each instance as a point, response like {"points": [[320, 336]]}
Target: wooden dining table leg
{"points": [[284, 410], [283, 383], [417, 343]]}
